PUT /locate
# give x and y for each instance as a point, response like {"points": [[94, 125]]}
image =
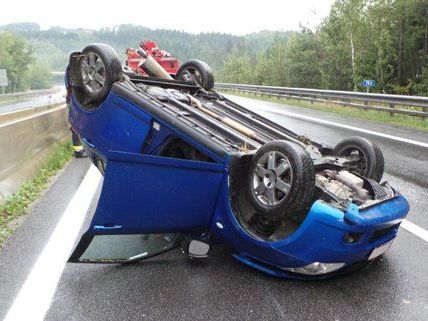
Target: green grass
{"points": [[18, 204], [373, 115]]}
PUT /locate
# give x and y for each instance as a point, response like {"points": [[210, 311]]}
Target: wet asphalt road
{"points": [[170, 287], [31, 102]]}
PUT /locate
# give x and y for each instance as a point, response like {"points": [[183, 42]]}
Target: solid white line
{"points": [[35, 296], [415, 229], [361, 130]]}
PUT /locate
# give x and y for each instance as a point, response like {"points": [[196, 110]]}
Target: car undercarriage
{"points": [[272, 193]]}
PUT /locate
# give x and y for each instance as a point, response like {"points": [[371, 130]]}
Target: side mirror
{"points": [[197, 249]]}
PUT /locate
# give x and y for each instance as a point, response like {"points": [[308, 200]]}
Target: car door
{"points": [[146, 203]]}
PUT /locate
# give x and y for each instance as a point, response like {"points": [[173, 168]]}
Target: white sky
{"points": [[237, 17]]}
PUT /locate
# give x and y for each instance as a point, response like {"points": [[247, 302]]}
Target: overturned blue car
{"points": [[186, 167]]}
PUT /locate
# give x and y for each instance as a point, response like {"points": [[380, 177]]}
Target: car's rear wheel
{"points": [[196, 71], [369, 161], [281, 180], [99, 68]]}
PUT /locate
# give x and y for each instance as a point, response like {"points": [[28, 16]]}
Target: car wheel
{"points": [[99, 68], [196, 71], [281, 180], [370, 161]]}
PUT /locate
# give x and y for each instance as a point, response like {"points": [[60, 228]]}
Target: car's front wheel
{"points": [[281, 180], [99, 68]]}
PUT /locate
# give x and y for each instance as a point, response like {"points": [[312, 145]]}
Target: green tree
{"points": [[15, 57], [302, 61], [272, 69], [39, 76], [238, 68]]}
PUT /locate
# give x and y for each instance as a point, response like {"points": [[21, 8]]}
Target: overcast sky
{"points": [[237, 17]]}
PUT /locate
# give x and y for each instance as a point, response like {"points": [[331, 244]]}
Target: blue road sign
{"points": [[369, 83]]}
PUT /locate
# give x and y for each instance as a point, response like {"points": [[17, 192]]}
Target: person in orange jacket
{"points": [[78, 149]]}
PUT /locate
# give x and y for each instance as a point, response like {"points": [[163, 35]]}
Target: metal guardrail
{"points": [[393, 104]]}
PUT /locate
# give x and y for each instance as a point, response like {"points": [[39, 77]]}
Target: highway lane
{"points": [[31, 102], [170, 287]]}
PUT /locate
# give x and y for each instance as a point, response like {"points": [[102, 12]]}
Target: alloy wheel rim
{"points": [[272, 178], [93, 72]]}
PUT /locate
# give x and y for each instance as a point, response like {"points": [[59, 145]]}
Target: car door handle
{"points": [[88, 142]]}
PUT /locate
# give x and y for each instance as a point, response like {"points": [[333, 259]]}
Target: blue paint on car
{"points": [[146, 193]]}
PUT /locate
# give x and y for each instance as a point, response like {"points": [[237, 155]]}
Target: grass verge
{"points": [[18, 204], [373, 115]]}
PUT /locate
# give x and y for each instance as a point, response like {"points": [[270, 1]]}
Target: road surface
{"points": [[31, 102], [36, 283]]}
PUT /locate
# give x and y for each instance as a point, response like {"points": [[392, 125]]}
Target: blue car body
{"points": [[146, 193]]}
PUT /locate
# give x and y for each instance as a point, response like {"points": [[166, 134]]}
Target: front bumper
{"points": [[327, 235]]}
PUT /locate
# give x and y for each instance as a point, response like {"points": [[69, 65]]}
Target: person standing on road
{"points": [[78, 149]]}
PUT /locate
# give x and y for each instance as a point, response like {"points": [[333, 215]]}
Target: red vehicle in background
{"points": [[162, 57]]}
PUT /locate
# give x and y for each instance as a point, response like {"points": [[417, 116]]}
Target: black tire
{"points": [[372, 162], [197, 71], [300, 177], [110, 70]]}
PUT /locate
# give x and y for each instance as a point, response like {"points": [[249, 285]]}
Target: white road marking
{"points": [[415, 229], [361, 130], [35, 296]]}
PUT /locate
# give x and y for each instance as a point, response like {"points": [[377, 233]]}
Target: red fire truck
{"points": [[162, 57]]}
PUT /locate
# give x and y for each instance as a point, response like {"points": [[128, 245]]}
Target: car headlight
{"points": [[316, 268]]}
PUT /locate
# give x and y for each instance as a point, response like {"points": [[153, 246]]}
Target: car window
{"points": [[127, 248]]}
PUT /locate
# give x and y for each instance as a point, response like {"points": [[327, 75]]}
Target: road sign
{"points": [[3, 78], [369, 83]]}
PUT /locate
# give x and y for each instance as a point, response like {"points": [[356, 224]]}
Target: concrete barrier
{"points": [[6, 117], [25, 142]]}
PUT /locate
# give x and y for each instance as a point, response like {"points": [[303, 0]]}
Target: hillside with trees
{"points": [[384, 40], [23, 70], [53, 46]]}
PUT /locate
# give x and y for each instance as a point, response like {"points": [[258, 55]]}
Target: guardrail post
{"points": [[392, 113], [366, 105]]}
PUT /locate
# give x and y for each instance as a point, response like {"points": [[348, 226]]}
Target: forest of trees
{"points": [[23, 71], [384, 40], [53, 46]]}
